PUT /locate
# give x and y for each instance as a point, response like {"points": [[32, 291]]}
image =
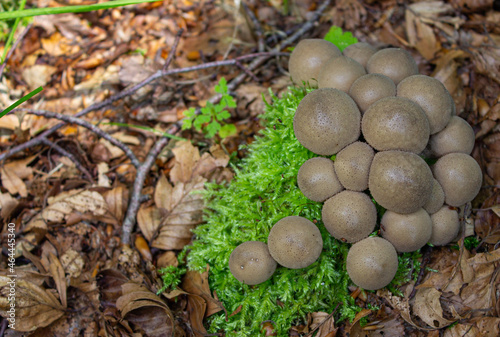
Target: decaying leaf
{"points": [[117, 201], [145, 310], [35, 306], [13, 174], [325, 323], [428, 308], [57, 271], [197, 283], [7, 205]]}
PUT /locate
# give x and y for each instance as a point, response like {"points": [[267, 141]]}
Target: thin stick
{"points": [[87, 125], [127, 92], [65, 153], [133, 207], [170, 57], [14, 46]]}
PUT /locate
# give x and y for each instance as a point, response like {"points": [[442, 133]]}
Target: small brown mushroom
{"points": [[308, 57], [400, 181], [352, 166], [317, 179], [457, 136], [406, 232], [432, 96], [360, 52], [395, 63], [295, 242], [369, 88], [349, 216], [339, 73], [395, 123], [445, 226], [326, 121], [372, 263], [251, 263], [460, 177]]}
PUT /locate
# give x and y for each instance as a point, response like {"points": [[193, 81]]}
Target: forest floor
{"points": [[74, 196]]}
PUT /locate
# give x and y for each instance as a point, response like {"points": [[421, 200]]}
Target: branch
{"points": [[87, 125], [65, 153], [133, 207]]}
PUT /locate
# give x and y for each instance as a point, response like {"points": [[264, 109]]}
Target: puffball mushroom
{"points": [[400, 181], [372, 263], [360, 52], [352, 166], [395, 123], [295, 242], [436, 199], [339, 73], [432, 96], [349, 216], [445, 226], [460, 177], [457, 136], [395, 63], [406, 232], [326, 121], [308, 57], [369, 88], [251, 263], [317, 179]]}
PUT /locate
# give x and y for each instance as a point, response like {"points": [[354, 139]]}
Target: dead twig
{"points": [[171, 55], [14, 46], [65, 153], [87, 125]]}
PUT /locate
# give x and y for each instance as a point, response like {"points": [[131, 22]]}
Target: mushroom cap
{"points": [[369, 88], [339, 73], [432, 96], [445, 226], [308, 57], [460, 177], [400, 181], [436, 199], [407, 232], [395, 123], [372, 263], [352, 165], [326, 121], [457, 136], [317, 179], [395, 63], [360, 52], [295, 242], [251, 263], [349, 216]]}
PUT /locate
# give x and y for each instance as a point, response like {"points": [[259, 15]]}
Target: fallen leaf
{"points": [[196, 308], [7, 205], [38, 75], [428, 308], [197, 283], [146, 310], [325, 323], [102, 178], [149, 220], [58, 45], [57, 271], [35, 306], [117, 201], [186, 156], [72, 262], [13, 174], [461, 330]]}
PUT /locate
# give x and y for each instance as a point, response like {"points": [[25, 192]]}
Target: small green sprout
{"points": [[212, 116], [336, 36]]}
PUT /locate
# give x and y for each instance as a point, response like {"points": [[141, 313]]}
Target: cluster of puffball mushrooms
{"points": [[379, 117]]}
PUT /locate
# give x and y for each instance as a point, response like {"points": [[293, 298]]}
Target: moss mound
{"points": [[264, 191]]}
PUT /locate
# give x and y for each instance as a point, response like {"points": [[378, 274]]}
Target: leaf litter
{"points": [[68, 231]]}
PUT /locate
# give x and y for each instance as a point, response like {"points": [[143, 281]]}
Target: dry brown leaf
{"points": [[82, 203], [7, 205], [72, 262], [186, 156], [58, 45], [38, 75], [13, 174], [196, 308], [325, 324], [163, 194], [197, 283], [57, 271], [428, 308], [421, 36], [102, 178], [117, 201], [186, 212], [146, 310], [35, 306], [149, 220], [9, 122], [461, 330], [488, 326]]}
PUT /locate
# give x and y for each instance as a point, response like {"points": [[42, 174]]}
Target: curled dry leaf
{"points": [[149, 219], [117, 201], [57, 271], [421, 36], [325, 323], [13, 174], [7, 205], [72, 262], [428, 307], [145, 310], [35, 306], [197, 283]]}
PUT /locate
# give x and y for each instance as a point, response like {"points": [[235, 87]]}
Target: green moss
{"points": [[264, 191]]}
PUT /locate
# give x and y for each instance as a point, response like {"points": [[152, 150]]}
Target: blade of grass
{"points": [[10, 39], [146, 128], [21, 101], [70, 9]]}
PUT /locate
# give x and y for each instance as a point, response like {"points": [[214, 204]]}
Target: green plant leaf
{"points": [[221, 88], [336, 36], [200, 120], [227, 130], [212, 129], [222, 115]]}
